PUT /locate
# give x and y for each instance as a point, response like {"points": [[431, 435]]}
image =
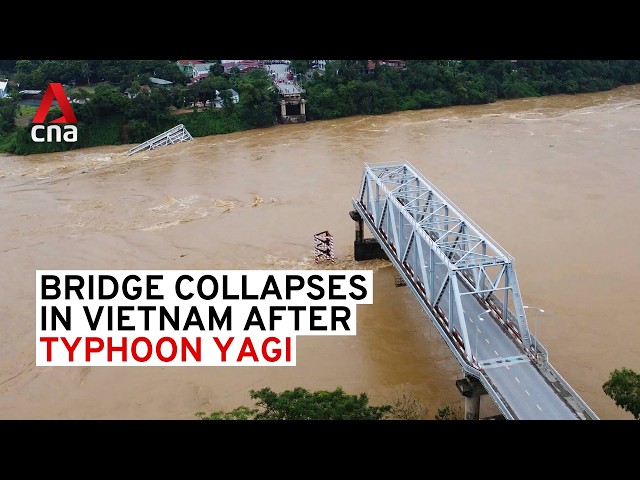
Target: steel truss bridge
{"points": [[467, 285]]}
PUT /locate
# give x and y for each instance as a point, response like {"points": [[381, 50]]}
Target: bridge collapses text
{"points": [[193, 317]]}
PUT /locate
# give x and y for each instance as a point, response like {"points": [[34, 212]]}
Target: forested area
{"points": [[115, 101]]}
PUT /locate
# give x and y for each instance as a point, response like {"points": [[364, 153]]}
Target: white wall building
{"points": [[201, 69]]}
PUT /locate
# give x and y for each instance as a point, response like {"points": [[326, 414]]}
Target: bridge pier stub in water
{"points": [[471, 389], [365, 248]]}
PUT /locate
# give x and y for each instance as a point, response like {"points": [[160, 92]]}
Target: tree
{"points": [[623, 387], [449, 413], [216, 70], [206, 89], [299, 66], [85, 71], [106, 101], [407, 408], [178, 96], [227, 101], [7, 67], [24, 68], [239, 413], [258, 100], [134, 89], [301, 404], [8, 114]]}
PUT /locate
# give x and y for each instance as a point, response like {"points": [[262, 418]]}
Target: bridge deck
{"points": [[288, 88]]}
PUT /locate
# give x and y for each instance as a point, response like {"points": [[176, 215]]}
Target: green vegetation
{"points": [[301, 404], [8, 113], [24, 114], [116, 102], [623, 387], [349, 88], [449, 413], [407, 408]]}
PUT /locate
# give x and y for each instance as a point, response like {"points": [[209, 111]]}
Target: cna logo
{"points": [[55, 131]]}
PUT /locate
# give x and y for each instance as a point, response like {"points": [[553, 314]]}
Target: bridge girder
{"points": [[424, 229]]}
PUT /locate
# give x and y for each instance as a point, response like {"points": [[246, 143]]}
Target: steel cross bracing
{"points": [[177, 134], [427, 230], [454, 268]]}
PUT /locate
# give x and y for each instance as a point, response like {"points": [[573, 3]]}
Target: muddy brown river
{"points": [[554, 180]]}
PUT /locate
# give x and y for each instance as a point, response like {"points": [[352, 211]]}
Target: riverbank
{"points": [[346, 88]]}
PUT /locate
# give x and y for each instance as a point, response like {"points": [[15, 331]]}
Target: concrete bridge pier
{"points": [[355, 216], [292, 105], [364, 248], [471, 389]]}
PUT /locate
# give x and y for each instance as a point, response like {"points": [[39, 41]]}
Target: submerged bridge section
{"points": [[176, 134], [467, 285]]}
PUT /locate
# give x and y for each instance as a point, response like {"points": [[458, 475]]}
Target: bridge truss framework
{"points": [[422, 231], [177, 134]]}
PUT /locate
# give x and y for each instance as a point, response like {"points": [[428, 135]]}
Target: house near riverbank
{"points": [[395, 64], [233, 96], [186, 66], [243, 66]]}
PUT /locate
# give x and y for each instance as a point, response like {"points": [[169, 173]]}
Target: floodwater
{"points": [[554, 180]]}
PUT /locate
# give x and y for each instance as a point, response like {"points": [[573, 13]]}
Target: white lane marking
{"points": [[500, 362], [478, 330], [517, 379], [507, 367], [471, 320], [497, 354], [486, 340], [538, 407], [528, 394]]}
